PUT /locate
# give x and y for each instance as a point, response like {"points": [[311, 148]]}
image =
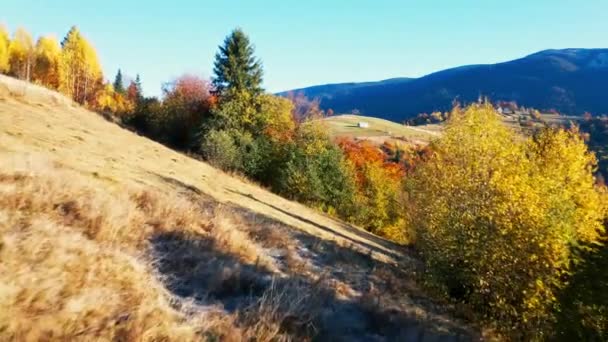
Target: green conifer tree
{"points": [[118, 84], [236, 69]]}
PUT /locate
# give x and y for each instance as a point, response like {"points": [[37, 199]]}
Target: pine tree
{"points": [[118, 84], [138, 87], [4, 42], [236, 69]]}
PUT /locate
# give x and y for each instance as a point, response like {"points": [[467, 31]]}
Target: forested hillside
{"points": [[571, 81]]}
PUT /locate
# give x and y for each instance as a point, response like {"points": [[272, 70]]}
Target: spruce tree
{"points": [[118, 85], [138, 85], [72, 35], [236, 69]]}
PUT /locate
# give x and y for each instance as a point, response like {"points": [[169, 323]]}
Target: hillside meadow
{"points": [[131, 240]]}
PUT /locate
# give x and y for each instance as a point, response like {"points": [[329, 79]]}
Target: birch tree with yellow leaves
{"points": [[21, 55], [47, 66], [80, 69], [4, 42], [497, 216]]}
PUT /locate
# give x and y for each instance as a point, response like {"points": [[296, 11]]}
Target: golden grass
{"points": [[105, 235], [85, 142], [379, 130], [71, 264]]}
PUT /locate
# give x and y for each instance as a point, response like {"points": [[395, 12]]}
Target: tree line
{"points": [[70, 67]]}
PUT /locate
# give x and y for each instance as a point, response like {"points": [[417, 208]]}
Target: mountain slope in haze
{"points": [[328, 91], [571, 81], [129, 240]]}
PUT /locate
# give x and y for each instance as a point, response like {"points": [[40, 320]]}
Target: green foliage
{"points": [[596, 127], [495, 216], [236, 69], [316, 172], [143, 118], [583, 304], [221, 151], [379, 208], [237, 110], [118, 83]]}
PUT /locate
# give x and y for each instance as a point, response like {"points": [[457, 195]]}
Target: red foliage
{"points": [[190, 89], [132, 92], [363, 154]]}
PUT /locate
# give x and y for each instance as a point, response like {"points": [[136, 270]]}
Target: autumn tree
{"points": [[187, 100], [304, 108], [134, 90], [47, 67], [21, 54], [379, 184], [81, 71], [236, 69], [315, 171], [4, 55], [118, 83], [105, 99], [496, 216]]}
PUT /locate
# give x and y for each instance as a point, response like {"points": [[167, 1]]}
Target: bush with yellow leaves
{"points": [[496, 216]]}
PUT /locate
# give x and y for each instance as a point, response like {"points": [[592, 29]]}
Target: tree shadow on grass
{"points": [[195, 268], [388, 248]]}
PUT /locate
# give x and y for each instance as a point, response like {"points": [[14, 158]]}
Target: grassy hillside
{"points": [[378, 130], [381, 130], [107, 235]]}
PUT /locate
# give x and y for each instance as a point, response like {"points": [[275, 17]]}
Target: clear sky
{"points": [[303, 43]]}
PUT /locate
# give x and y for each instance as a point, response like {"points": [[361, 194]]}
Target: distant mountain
{"points": [[328, 91], [571, 81]]}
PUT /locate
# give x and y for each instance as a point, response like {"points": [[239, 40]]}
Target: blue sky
{"points": [[311, 42]]}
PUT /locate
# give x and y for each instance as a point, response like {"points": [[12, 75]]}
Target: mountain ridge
{"points": [[568, 80]]}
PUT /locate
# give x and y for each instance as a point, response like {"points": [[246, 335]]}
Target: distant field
{"points": [[379, 130]]}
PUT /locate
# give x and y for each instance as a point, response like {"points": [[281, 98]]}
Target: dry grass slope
{"points": [[105, 235], [379, 130]]}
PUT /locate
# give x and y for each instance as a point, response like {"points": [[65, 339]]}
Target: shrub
{"points": [[315, 172], [495, 216], [378, 189], [583, 304], [219, 149]]}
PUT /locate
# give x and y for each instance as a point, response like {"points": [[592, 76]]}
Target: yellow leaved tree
{"points": [[80, 69], [21, 54], [4, 42], [48, 62], [496, 216]]}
